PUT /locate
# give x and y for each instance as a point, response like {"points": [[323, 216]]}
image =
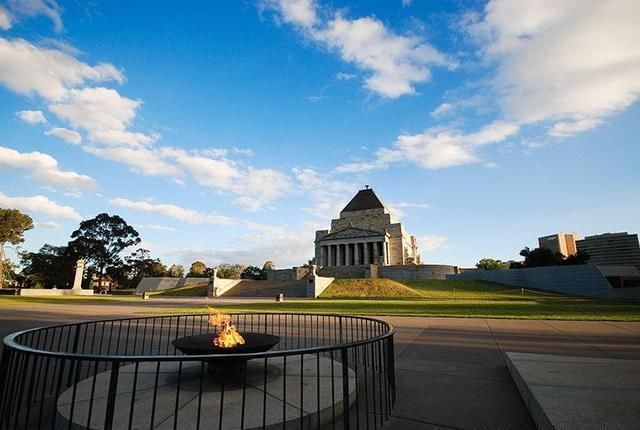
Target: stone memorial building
{"points": [[365, 233]]}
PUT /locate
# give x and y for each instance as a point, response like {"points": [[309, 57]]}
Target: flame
{"points": [[228, 337]]}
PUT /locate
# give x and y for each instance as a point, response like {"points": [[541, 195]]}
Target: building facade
{"points": [[564, 243], [612, 249], [365, 233]]}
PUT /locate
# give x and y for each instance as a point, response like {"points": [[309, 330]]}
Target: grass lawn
{"points": [[472, 299], [409, 298]]}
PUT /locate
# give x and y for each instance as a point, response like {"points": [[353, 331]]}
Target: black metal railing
{"points": [[327, 371]]}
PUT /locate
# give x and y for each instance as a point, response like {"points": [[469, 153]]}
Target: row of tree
{"points": [[102, 242], [538, 257], [230, 271]]}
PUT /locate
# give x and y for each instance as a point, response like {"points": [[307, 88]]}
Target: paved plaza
{"points": [[451, 372]]}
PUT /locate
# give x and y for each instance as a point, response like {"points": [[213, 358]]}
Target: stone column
{"points": [[338, 254], [366, 253], [375, 253], [347, 255], [355, 254], [329, 255], [384, 253], [323, 252]]}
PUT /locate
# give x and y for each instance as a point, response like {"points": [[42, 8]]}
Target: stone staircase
{"points": [[250, 288]]}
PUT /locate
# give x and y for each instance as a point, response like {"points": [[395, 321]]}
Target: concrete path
{"points": [[451, 372]]}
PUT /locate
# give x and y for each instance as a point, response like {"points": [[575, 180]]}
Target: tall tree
{"points": [[197, 270], [491, 264], [50, 266], [176, 271], [13, 224], [100, 241]]}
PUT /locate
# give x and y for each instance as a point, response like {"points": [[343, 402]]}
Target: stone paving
{"points": [[451, 372]]}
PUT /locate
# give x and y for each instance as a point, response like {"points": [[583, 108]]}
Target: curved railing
{"points": [[327, 371]]}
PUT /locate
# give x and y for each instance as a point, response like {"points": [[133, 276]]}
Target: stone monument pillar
{"points": [[77, 279], [211, 286]]}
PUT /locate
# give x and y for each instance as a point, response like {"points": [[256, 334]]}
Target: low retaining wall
{"points": [[293, 274], [580, 280], [159, 284], [39, 292], [416, 271]]}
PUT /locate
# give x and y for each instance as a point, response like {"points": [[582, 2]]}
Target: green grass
{"points": [[591, 310], [18, 301], [472, 299]]}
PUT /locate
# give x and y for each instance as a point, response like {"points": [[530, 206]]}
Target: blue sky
{"points": [[230, 131]]}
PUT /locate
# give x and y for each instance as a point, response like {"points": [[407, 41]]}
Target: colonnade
{"points": [[355, 253]]}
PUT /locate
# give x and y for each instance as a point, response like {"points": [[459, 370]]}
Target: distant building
{"points": [[612, 249], [564, 243]]}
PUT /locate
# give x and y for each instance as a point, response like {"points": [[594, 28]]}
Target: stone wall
{"points": [[581, 280], [293, 274], [416, 271], [344, 272], [369, 219]]}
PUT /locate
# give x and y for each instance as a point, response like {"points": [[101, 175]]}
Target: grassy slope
{"points": [[190, 291], [357, 288]]}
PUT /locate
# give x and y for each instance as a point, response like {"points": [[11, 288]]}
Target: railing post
{"points": [[345, 388], [111, 397], [392, 369], [4, 384]]}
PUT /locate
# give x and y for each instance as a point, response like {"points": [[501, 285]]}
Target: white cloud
{"points": [[431, 242], [104, 114], [155, 227], [70, 136], [39, 204], [33, 8], [441, 147], [442, 110], [27, 69], [404, 205], [5, 19], [395, 63], [571, 63], [341, 76], [298, 12], [49, 224], [144, 161], [43, 168], [407, 3], [31, 116], [173, 211]]}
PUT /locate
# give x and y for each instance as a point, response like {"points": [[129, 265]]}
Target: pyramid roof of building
{"points": [[363, 200]]}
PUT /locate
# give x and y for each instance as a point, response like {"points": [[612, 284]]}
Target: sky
{"points": [[231, 131]]}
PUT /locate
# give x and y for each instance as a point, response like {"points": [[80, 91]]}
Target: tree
{"points": [[268, 265], [230, 271], [491, 264], [13, 224], [252, 272], [197, 270], [176, 271], [540, 257], [581, 257], [50, 266], [140, 265], [100, 241]]}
